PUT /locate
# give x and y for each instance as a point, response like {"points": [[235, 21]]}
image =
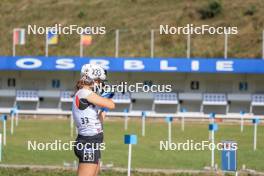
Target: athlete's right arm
{"points": [[100, 101]]}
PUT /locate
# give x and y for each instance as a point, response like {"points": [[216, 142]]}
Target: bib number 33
{"points": [[88, 154], [84, 120]]}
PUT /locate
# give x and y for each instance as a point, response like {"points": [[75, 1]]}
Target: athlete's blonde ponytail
{"points": [[79, 85]]}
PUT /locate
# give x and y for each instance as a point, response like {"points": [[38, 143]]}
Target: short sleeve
{"points": [[83, 93]]}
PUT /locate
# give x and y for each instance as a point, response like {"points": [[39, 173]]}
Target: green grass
{"points": [[146, 153], [135, 18]]}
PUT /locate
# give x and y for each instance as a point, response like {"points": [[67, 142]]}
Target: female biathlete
{"points": [[88, 113]]}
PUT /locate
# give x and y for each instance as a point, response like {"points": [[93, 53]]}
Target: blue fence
{"points": [[195, 65]]}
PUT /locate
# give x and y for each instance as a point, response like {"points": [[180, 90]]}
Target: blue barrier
{"points": [[169, 119], [130, 139], [143, 114], [242, 112], [4, 117], [213, 127], [212, 115], [195, 65], [183, 110], [256, 120]]}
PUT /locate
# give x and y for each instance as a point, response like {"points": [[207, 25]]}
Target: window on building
{"points": [[195, 85], [243, 86], [11, 82], [55, 83]]}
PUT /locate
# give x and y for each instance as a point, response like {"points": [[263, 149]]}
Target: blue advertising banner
{"points": [[196, 65]]}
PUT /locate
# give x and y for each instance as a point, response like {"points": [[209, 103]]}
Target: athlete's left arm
{"points": [[102, 115]]}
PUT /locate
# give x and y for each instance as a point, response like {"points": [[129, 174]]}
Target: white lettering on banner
{"points": [[53, 63], [103, 63], [133, 65], [164, 65], [224, 66], [28, 63], [195, 65], [65, 64]]}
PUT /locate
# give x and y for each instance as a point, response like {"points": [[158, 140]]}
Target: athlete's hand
{"points": [[104, 109], [108, 94]]}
